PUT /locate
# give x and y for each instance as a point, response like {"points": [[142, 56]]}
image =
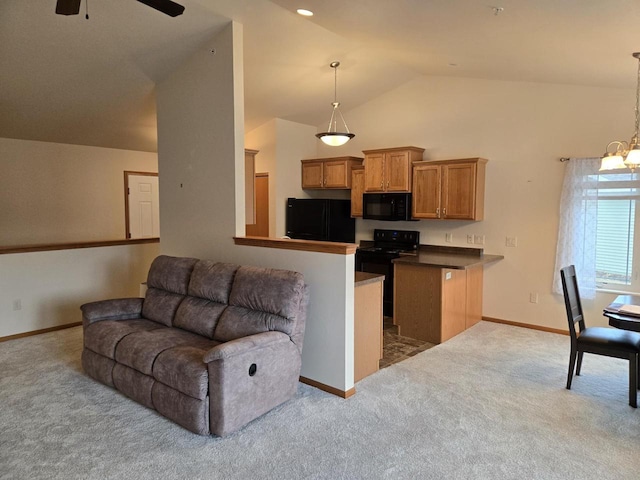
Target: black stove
{"points": [[387, 245]]}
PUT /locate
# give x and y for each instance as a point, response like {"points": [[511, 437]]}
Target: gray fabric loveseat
{"points": [[212, 346]]}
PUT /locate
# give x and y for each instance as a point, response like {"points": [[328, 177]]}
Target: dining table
{"points": [[622, 314]]}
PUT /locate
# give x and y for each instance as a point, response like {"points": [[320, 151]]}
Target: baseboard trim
{"points": [[526, 325], [328, 389], [38, 332]]}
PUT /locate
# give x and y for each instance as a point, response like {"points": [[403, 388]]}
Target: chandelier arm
{"points": [[635, 136]]}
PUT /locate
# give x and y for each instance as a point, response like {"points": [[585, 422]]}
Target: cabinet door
{"points": [[397, 172], [374, 180], [312, 175], [336, 174], [426, 191], [357, 189], [459, 191]]}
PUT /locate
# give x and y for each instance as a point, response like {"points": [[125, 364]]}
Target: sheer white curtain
{"points": [[577, 230]]}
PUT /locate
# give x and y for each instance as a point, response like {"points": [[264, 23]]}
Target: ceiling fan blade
{"points": [[68, 7], [165, 6]]}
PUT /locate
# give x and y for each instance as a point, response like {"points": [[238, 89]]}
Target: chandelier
{"points": [[332, 136], [620, 154]]}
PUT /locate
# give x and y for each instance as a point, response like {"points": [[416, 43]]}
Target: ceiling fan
{"points": [[72, 7]]}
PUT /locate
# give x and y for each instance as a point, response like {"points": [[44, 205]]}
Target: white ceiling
{"points": [[91, 82]]}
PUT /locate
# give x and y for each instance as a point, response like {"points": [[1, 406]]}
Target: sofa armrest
{"points": [[115, 309], [244, 345], [248, 377]]}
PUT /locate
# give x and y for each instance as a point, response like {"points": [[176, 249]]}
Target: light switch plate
{"points": [[469, 238], [511, 241]]}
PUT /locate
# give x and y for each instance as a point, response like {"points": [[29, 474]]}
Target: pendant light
{"points": [[332, 137], [625, 155]]}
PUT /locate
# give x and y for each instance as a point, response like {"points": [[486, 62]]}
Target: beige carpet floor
{"points": [[488, 404]]}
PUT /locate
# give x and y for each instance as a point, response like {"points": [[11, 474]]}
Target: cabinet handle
{"points": [[324, 181], [388, 184], [444, 212], [438, 212], [382, 185]]}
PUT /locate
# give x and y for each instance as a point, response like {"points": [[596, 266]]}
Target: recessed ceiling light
{"points": [[305, 13]]}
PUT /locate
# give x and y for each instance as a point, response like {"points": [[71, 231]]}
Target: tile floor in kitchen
{"points": [[397, 348]]}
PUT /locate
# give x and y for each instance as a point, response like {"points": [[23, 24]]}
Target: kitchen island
{"points": [[438, 292]]}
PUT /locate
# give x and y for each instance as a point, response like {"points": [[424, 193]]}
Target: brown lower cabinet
{"points": [[367, 334], [434, 304]]}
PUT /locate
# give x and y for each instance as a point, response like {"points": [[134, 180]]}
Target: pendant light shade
{"points": [[332, 136], [625, 155]]}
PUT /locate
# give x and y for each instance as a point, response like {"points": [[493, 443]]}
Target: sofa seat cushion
{"points": [[140, 350], [183, 369], [102, 337]]}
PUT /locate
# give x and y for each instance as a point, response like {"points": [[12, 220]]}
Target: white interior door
{"points": [[144, 203]]}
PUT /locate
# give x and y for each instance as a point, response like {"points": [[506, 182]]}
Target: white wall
{"points": [[52, 285], [282, 145], [263, 139], [197, 152], [56, 193], [523, 129], [201, 163]]}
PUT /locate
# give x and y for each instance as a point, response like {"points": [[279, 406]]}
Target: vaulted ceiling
{"points": [[91, 82]]}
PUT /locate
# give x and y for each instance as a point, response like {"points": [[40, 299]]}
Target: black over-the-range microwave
{"points": [[386, 206]]}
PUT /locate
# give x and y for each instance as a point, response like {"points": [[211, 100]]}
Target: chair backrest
{"points": [[572, 299]]}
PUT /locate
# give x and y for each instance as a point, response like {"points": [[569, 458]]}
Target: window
{"points": [[617, 194], [598, 217]]}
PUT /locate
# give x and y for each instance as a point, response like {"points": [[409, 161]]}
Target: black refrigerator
{"points": [[320, 219]]}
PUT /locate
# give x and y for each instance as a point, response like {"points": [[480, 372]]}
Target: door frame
{"points": [[127, 232]]}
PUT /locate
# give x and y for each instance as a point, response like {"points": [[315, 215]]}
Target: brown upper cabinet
{"points": [[357, 189], [389, 169], [449, 189], [328, 172]]}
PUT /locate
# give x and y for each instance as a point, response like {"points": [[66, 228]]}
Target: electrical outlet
{"points": [[533, 297], [17, 304], [469, 238], [478, 239], [448, 237], [511, 241]]}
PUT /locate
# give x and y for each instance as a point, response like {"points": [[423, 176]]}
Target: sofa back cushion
{"points": [[209, 290], [212, 280], [261, 300], [167, 284]]}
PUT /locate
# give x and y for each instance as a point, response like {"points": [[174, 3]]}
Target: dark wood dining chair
{"points": [[610, 342]]}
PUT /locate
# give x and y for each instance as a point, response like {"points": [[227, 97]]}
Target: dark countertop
{"points": [[448, 260], [444, 256], [364, 278]]}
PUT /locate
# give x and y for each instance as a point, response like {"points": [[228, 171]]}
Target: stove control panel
{"points": [[400, 239]]}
